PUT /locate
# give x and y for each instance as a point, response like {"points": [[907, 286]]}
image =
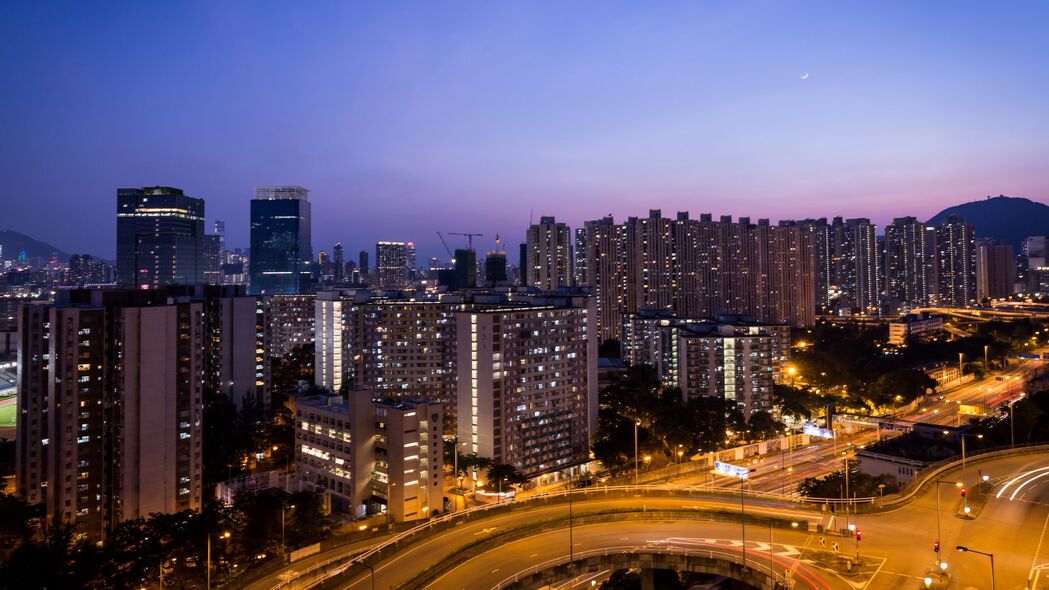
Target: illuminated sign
{"points": [[731, 470], [811, 429]]}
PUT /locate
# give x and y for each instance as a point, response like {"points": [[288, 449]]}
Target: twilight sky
{"points": [[408, 118]]}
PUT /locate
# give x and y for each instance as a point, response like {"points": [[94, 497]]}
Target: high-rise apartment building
{"points": [[730, 362], [604, 246], [391, 265], [160, 238], [111, 403], [729, 357], [281, 248], [699, 268], [820, 232], [527, 383], [995, 270], [236, 351], [395, 346], [855, 265], [289, 321], [910, 262], [956, 253], [549, 252]]}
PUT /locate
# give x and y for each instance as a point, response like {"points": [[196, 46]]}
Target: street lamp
{"points": [[636, 424], [939, 563], [371, 569], [964, 435], [283, 511], [225, 535], [964, 549]]}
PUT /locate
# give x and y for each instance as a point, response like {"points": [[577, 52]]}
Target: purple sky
{"points": [[409, 118]]}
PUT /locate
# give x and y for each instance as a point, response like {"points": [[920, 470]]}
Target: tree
{"points": [[7, 457], [609, 349], [16, 516], [909, 384], [305, 522], [761, 425], [294, 367], [505, 473]]}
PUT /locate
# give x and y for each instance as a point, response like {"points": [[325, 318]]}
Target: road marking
{"points": [[1037, 570], [533, 555], [493, 571], [1026, 483], [1018, 478], [485, 531]]}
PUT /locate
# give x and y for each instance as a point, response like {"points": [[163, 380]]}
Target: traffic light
{"points": [[963, 490], [936, 546], [859, 535]]}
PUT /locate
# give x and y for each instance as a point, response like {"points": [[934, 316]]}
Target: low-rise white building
{"points": [[372, 456]]}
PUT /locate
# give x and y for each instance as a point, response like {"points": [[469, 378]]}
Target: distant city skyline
{"points": [[463, 118]]}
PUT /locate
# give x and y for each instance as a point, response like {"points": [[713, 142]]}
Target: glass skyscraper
{"points": [[160, 238], [281, 250]]}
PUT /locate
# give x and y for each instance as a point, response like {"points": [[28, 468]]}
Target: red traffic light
{"points": [[963, 490], [859, 535], [936, 546]]}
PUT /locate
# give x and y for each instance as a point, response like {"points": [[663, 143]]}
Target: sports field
{"points": [[7, 415]]}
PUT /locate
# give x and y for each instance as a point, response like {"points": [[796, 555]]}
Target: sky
{"points": [[404, 119]]}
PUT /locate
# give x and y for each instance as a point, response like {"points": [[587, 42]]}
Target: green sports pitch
{"points": [[7, 415]]}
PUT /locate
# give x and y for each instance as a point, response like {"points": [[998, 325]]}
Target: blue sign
{"points": [[732, 470], [813, 430]]}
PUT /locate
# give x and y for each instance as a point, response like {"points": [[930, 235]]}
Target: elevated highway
{"points": [[531, 544]]}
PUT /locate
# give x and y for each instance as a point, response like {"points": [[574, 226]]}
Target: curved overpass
{"points": [[501, 550]]}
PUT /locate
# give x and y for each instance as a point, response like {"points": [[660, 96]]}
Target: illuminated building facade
{"points": [[281, 247], [109, 427], [527, 383], [549, 255], [160, 238]]}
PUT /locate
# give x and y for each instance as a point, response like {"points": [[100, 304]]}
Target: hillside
{"points": [[14, 242], [1009, 219]]}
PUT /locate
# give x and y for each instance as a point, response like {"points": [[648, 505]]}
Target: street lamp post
{"points": [[636, 424], [964, 549], [283, 546], [1012, 427], [939, 562], [371, 569], [964, 436], [225, 535]]}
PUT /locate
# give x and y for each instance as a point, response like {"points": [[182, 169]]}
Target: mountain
{"points": [[14, 242], [1009, 219]]}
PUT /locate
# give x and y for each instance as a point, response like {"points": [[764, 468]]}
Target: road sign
{"points": [[731, 470]]}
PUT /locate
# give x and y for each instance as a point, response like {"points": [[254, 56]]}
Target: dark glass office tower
{"points": [[281, 249], [160, 238]]}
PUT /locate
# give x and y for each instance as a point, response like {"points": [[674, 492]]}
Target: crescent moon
{"points": [[805, 76]]}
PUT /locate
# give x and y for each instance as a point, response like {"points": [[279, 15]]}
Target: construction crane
{"points": [[446, 248], [469, 237]]}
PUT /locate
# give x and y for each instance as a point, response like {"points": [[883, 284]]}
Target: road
{"points": [[782, 472], [897, 545]]}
